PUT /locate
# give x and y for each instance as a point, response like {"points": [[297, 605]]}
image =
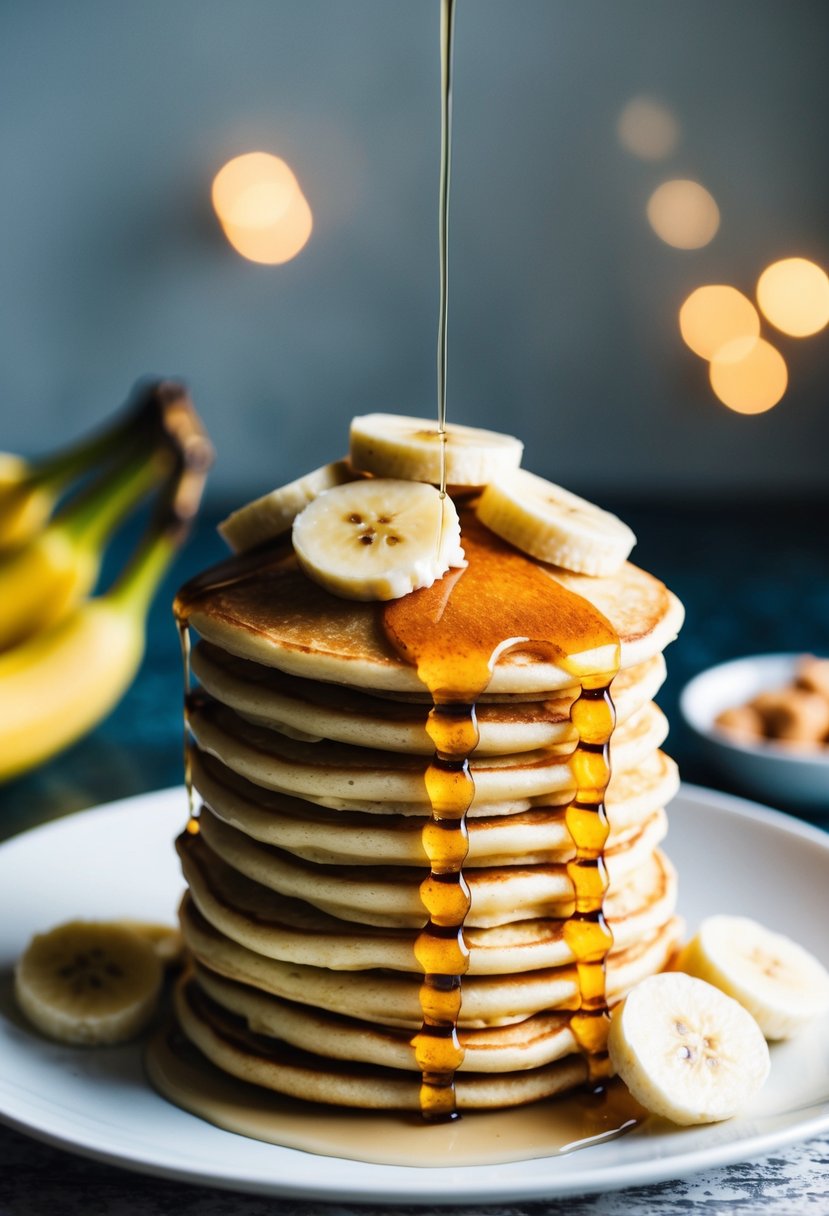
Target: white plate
{"points": [[118, 860]]}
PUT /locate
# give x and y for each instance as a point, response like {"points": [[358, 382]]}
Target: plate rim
{"points": [[441, 1184]]}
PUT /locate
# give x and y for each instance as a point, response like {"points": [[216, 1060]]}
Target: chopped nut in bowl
{"points": [[764, 722]]}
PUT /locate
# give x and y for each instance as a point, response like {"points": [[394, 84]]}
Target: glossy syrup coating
{"points": [[453, 633]]}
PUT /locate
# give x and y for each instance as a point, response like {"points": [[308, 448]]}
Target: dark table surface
{"points": [[754, 577]]}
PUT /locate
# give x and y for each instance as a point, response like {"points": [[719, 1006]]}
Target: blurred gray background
{"points": [[114, 118]]}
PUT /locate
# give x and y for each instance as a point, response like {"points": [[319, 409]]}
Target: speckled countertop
{"points": [[36, 1180], [717, 560]]}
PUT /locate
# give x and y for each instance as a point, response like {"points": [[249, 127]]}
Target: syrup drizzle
{"points": [[455, 684], [454, 632], [447, 37], [232, 572], [184, 642], [586, 931]]}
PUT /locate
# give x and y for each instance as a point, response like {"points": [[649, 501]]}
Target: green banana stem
{"points": [[90, 519], [54, 472], [142, 413], [137, 584]]}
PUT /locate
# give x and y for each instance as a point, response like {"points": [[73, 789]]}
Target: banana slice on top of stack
{"points": [[395, 445], [378, 539], [554, 525], [272, 514], [362, 530]]}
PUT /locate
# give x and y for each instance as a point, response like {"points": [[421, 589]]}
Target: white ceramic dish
{"points": [[118, 861], [773, 773]]}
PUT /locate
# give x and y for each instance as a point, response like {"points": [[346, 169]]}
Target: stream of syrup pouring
{"points": [[447, 40], [454, 633]]}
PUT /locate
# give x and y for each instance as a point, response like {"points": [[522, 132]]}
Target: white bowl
{"points": [[773, 772]]}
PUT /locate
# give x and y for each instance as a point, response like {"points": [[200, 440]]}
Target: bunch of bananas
{"points": [[67, 657]]}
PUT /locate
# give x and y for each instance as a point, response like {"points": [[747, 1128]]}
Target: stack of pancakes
{"points": [[309, 750]]}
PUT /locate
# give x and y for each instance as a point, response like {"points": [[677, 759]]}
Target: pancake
{"points": [[323, 772], [518, 1045], [390, 895], [288, 929], [530, 1043], [321, 834], [279, 618], [311, 711], [226, 1041], [392, 998]]}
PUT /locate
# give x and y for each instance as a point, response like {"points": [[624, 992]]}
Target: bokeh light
{"points": [[714, 315], [683, 214], [749, 375], [794, 295], [262, 210], [648, 129]]}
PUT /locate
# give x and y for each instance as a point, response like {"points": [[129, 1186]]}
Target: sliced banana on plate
{"points": [[269, 516], [395, 445], [89, 982], [782, 985], [554, 525], [378, 539], [685, 1050]]}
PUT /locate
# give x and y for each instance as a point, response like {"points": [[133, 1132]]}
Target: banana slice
{"points": [[781, 985], [687, 1051], [554, 525], [269, 516], [88, 982], [395, 445], [378, 539]]}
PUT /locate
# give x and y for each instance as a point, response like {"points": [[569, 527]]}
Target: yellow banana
{"points": [[59, 683], [43, 580], [25, 504]]}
